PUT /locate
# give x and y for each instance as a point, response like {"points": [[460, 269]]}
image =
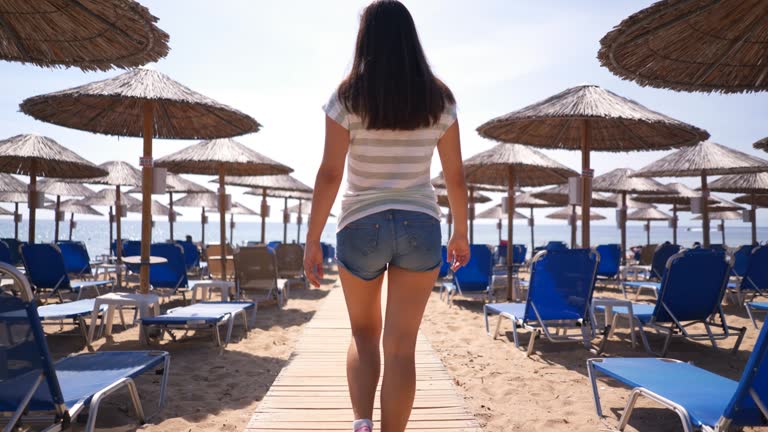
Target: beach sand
{"points": [[207, 391], [550, 390]]}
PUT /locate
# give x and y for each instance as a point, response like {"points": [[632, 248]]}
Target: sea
{"points": [[95, 233]]}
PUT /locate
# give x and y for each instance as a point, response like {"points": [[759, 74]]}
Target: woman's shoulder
{"points": [[336, 110]]}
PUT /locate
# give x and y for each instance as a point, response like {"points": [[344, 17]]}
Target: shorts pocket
{"points": [[423, 233], [358, 239]]}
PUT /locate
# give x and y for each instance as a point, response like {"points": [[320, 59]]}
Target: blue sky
{"points": [[279, 60]]}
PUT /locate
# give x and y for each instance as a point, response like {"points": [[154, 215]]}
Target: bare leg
{"points": [[407, 295], [363, 357]]}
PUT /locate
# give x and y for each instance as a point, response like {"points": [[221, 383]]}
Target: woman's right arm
{"points": [[449, 149]]}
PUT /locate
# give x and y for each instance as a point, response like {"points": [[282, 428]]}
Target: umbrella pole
{"points": [[510, 242], [586, 183], [170, 214], [623, 212], [674, 223], [232, 228], [111, 236], [705, 210], [202, 228], [298, 225], [533, 243], [56, 219], [119, 233], [573, 225], [471, 215], [71, 223], [285, 221], [32, 202], [753, 217], [146, 194], [722, 227], [500, 225], [647, 232], [223, 222], [263, 215], [16, 221]]}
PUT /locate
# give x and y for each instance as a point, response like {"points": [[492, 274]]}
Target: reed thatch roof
{"points": [[280, 194], [283, 182], [648, 214], [527, 200], [756, 183], [761, 144], [178, 184], [442, 197], [696, 45], [210, 156], [157, 209], [565, 213], [439, 182], [616, 123], [74, 206], [21, 153], [18, 197], [496, 212], [680, 194], [107, 197], [619, 180], [632, 202], [240, 209], [5, 212], [306, 206], [9, 183], [115, 106], [705, 158], [530, 167], [62, 188], [758, 200], [119, 173], [90, 35], [206, 199], [722, 215], [716, 203], [559, 195]]}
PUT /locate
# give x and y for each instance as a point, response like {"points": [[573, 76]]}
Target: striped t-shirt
{"points": [[387, 169]]}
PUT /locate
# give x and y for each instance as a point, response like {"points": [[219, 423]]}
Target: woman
{"points": [[388, 115]]}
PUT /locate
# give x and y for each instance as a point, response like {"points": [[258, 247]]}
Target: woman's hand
{"points": [[458, 251], [313, 262]]}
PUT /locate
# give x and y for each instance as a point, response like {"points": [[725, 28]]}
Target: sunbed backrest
{"points": [[215, 264], [290, 259], [740, 260], [693, 285], [610, 260], [24, 353], [255, 267], [742, 408], [444, 265], [172, 274], [561, 284], [518, 253], [131, 248], [45, 265], [646, 254], [191, 254], [76, 259], [556, 245], [476, 275], [15, 247], [660, 257], [756, 276], [5, 253]]}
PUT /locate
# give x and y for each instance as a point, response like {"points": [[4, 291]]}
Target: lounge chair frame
{"points": [[228, 320]]}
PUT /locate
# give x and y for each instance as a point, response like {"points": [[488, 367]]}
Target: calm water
{"points": [[96, 235]]}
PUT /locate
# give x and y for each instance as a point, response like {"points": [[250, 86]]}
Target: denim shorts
{"points": [[402, 238]]}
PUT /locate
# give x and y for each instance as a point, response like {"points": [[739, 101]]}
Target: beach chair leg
{"points": [[84, 332], [644, 338], [216, 335], [498, 327], [613, 325], [628, 409], [514, 332], [592, 373], [93, 410], [751, 316], [739, 339], [245, 323], [667, 340], [534, 335], [485, 318], [585, 333], [710, 335]]}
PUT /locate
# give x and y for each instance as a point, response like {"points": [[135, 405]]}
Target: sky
{"points": [[279, 61]]}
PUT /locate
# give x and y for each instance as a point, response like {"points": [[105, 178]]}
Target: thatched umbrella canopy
{"points": [[567, 213], [705, 159], [206, 200], [36, 155], [619, 181], [263, 185], [497, 212], [72, 206], [5, 212], [559, 195], [754, 184], [717, 204], [758, 200], [141, 103], [761, 144], [221, 157], [723, 216], [157, 209], [11, 186], [590, 118], [678, 195], [107, 197], [648, 215], [692, 46], [473, 188], [62, 189], [9, 183], [88, 35], [527, 200]]}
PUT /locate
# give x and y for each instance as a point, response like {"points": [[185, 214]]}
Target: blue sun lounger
{"points": [[754, 281], [210, 315], [691, 293], [35, 388], [658, 266], [559, 294], [703, 400], [474, 278], [45, 269], [608, 270]]}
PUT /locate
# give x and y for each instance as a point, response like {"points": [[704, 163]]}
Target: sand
{"points": [[550, 390]]}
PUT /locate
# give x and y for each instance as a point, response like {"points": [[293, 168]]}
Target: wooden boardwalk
{"points": [[310, 394]]}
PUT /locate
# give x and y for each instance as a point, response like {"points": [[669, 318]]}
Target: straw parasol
{"points": [[693, 45], [527, 200], [678, 195], [66, 189], [496, 212], [301, 196], [761, 144], [472, 188], [619, 181], [11, 187], [141, 103], [262, 185], [442, 200], [723, 216], [648, 215], [567, 213], [221, 157], [37, 155], [559, 195], [717, 204], [203, 201], [5, 212], [590, 118], [72, 206], [751, 184], [705, 159]]}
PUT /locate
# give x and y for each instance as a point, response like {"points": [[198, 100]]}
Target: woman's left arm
{"points": [[327, 184]]}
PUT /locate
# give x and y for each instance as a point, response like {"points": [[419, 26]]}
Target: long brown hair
{"points": [[391, 85]]}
